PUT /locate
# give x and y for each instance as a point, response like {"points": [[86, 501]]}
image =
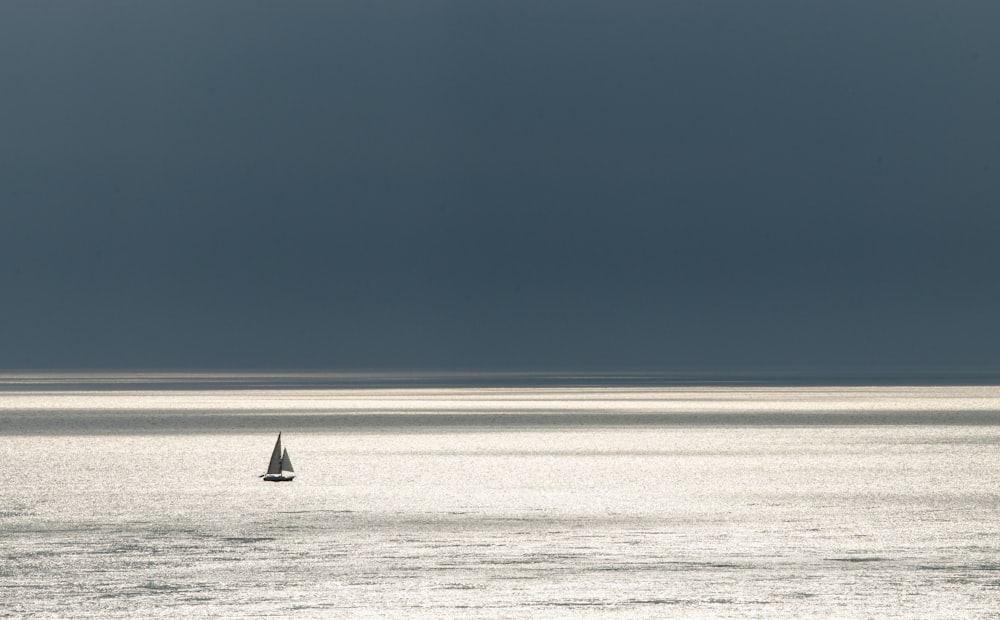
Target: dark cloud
{"points": [[515, 184]]}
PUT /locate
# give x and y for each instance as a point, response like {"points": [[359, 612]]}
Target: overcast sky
{"points": [[682, 184]]}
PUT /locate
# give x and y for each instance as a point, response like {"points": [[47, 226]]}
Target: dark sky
{"points": [[457, 184]]}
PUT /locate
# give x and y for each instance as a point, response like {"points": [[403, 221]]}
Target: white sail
{"points": [[274, 467], [286, 463]]}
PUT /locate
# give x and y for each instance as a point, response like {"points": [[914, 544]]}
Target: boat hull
{"points": [[278, 478]]}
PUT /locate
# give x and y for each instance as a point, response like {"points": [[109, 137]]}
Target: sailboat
{"points": [[279, 469]]}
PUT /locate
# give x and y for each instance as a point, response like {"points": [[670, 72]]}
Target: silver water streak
{"points": [[479, 503]]}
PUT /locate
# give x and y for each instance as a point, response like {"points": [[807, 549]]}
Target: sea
{"points": [[137, 495]]}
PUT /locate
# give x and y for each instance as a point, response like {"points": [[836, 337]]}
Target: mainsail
{"points": [[275, 466]]}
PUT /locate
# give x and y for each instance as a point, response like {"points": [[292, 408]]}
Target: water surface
{"points": [[500, 501]]}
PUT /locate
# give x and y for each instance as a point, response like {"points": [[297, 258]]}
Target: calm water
{"points": [[122, 500]]}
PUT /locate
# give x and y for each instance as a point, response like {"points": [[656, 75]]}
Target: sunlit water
{"points": [[529, 502]]}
